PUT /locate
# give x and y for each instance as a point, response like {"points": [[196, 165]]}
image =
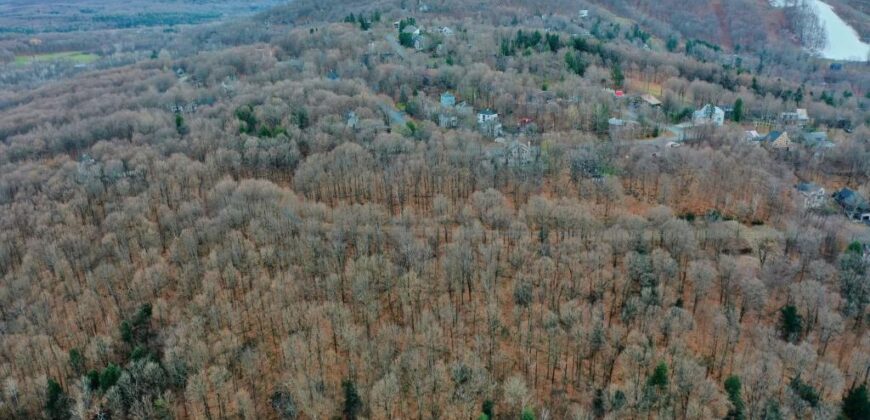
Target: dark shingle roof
{"points": [[851, 200]]}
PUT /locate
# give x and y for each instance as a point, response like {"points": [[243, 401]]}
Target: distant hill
{"points": [[731, 24], [35, 16]]}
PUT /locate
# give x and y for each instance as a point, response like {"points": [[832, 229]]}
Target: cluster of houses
{"points": [[511, 149], [419, 37], [791, 128], [488, 122], [629, 128], [451, 112], [781, 139], [853, 204]]}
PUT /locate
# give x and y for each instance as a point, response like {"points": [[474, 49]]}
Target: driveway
{"points": [[396, 116]]}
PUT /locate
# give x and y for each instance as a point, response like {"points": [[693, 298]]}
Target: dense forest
{"points": [[281, 216]]}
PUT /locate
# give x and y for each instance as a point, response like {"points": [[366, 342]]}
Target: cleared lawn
{"points": [[76, 56]]}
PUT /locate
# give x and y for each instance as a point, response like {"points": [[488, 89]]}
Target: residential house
{"points": [[519, 153], [798, 118], [853, 204], [418, 39], [651, 100], [352, 119], [513, 152], [526, 125], [845, 124], [818, 142], [778, 140], [583, 13], [446, 31], [709, 115], [448, 100], [752, 135], [813, 194], [815, 136], [448, 120], [420, 42], [487, 115], [88, 167], [615, 93], [491, 128], [413, 30], [488, 123], [615, 122]]}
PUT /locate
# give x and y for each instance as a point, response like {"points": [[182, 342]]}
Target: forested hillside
{"points": [[287, 216]]}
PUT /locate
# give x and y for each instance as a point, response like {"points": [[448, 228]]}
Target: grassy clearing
{"points": [[77, 57]]}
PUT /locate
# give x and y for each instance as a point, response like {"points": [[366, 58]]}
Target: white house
{"points": [[799, 117], [413, 30], [814, 195], [752, 135], [709, 114], [352, 119], [487, 121], [487, 115]]}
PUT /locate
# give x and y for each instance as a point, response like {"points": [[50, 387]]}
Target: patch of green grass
{"points": [[77, 57]]}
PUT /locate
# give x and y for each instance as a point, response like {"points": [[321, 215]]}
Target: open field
{"points": [[76, 56]]}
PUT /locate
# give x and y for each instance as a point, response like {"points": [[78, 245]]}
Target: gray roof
{"points": [[851, 200], [817, 139], [808, 187]]}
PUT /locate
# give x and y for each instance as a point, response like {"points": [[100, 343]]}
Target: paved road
{"points": [[674, 134], [396, 116]]}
